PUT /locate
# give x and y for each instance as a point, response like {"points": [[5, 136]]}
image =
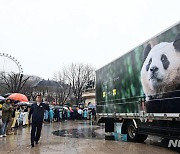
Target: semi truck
{"points": [[141, 89]]}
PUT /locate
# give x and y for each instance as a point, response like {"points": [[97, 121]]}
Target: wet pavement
{"points": [[73, 137], [87, 131]]}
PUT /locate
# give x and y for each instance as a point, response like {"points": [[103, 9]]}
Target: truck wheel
{"points": [[132, 134]]}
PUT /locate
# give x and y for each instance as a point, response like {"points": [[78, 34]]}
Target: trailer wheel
{"points": [[132, 134]]}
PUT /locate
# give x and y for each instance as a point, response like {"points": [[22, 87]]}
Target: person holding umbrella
{"points": [[37, 113]]}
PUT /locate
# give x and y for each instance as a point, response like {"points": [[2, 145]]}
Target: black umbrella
{"points": [[58, 107], [6, 95]]}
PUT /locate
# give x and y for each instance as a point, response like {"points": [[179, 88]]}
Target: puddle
{"points": [[86, 133]]}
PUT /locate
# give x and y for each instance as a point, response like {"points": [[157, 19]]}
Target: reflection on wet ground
{"points": [[75, 137], [86, 133]]}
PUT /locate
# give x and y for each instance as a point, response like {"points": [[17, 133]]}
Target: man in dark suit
{"points": [[37, 113]]}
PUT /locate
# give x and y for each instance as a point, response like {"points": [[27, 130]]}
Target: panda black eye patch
{"points": [[148, 65], [165, 61]]}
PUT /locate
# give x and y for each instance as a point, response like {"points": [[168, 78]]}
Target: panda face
{"points": [[156, 68], [160, 68], [165, 63]]}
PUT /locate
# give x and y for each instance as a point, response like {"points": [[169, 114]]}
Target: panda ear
{"points": [[146, 51], [177, 43]]}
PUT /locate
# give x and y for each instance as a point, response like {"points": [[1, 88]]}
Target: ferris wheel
{"points": [[9, 64]]}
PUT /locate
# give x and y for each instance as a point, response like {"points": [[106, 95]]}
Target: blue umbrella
{"points": [[91, 106]]}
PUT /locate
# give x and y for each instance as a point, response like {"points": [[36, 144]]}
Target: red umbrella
{"points": [[18, 97]]}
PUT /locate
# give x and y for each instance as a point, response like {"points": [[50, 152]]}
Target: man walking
{"points": [[37, 113]]}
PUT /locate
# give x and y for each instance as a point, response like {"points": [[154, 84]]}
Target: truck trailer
{"points": [[141, 89]]}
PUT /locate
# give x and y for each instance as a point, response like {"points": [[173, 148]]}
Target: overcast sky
{"points": [[45, 35]]}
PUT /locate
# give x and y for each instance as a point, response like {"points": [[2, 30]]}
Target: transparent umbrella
{"points": [[2, 98]]}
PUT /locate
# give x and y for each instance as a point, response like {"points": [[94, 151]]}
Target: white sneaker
{"points": [[4, 135], [1, 135]]}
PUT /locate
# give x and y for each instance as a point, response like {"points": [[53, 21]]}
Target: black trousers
{"points": [[35, 131]]}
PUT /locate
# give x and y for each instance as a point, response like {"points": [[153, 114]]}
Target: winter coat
{"points": [[7, 112], [37, 112]]}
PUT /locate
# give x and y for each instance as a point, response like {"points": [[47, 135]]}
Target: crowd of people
{"points": [[15, 116], [56, 114], [11, 116]]}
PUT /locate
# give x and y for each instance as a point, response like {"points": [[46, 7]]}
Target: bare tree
{"points": [[63, 93], [79, 75], [12, 82]]}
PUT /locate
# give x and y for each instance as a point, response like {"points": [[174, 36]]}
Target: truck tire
{"points": [[132, 134]]}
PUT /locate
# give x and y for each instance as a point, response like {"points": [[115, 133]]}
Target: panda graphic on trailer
{"points": [[160, 72]]}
